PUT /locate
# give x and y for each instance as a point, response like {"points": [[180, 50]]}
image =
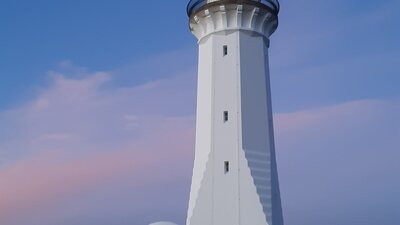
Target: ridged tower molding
{"points": [[232, 17]]}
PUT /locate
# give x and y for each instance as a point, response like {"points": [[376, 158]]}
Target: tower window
{"points": [[226, 116], [226, 166], [225, 50]]}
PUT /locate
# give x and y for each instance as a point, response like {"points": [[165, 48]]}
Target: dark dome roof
{"points": [[195, 5]]}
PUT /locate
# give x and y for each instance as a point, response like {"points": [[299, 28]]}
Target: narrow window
{"points": [[225, 51], [226, 116], [226, 166]]}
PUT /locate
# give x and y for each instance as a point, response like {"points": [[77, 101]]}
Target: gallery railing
{"points": [[195, 5]]}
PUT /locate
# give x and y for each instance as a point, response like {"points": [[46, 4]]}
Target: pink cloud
{"points": [[346, 114], [47, 176], [74, 136]]}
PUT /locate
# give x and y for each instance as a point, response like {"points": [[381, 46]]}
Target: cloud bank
{"points": [[77, 134], [78, 137]]}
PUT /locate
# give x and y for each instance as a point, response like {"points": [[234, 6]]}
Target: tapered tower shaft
{"points": [[235, 179]]}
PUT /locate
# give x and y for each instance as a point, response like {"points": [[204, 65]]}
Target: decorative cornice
{"points": [[232, 17], [198, 5]]}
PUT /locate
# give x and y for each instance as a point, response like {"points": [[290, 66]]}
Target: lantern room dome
{"points": [[196, 5]]}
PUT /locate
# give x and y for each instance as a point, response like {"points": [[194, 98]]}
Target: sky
{"points": [[97, 114]]}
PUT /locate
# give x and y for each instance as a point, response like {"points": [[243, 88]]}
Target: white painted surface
{"points": [[238, 83], [163, 223]]}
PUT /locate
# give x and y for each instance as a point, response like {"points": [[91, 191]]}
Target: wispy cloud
{"points": [[333, 52], [98, 136], [77, 134], [50, 176], [341, 158], [337, 144]]}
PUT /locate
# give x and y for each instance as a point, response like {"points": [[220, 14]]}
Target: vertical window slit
{"points": [[225, 50], [226, 166], [226, 116]]}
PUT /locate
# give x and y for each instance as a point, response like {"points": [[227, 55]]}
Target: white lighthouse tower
{"points": [[235, 180]]}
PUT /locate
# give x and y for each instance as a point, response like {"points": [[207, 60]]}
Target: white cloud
{"points": [[78, 134], [332, 158], [84, 125]]}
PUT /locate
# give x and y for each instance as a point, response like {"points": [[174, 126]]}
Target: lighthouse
{"points": [[235, 178]]}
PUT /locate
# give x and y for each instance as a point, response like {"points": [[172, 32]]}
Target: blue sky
{"points": [[101, 35], [97, 114]]}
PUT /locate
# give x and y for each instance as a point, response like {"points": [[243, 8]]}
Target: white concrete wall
{"points": [[225, 134], [201, 189], [238, 83]]}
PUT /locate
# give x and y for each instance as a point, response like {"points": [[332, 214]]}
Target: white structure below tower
{"points": [[235, 179]]}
